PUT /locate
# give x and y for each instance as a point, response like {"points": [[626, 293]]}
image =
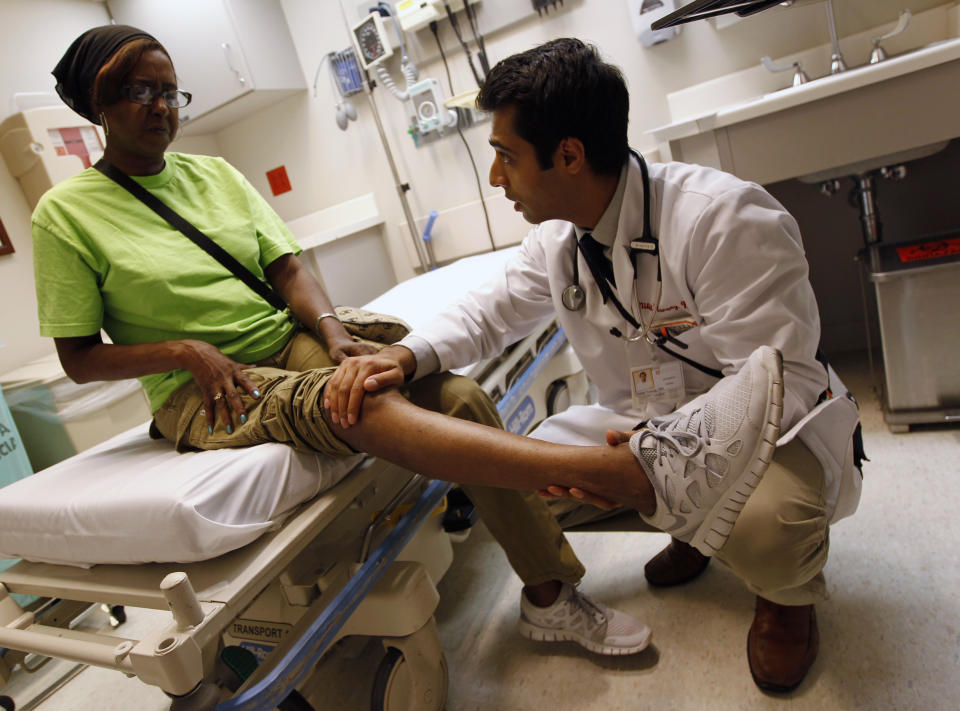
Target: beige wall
{"points": [[327, 166]]}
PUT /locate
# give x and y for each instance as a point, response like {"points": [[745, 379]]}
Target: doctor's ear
{"points": [[570, 155]]}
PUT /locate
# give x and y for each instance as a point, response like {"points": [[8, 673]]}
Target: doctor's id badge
{"points": [[656, 383]]}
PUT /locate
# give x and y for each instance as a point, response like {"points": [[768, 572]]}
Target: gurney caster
{"points": [[204, 697], [413, 673]]}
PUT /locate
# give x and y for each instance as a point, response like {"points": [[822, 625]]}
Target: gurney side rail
{"points": [[72, 645], [299, 661]]}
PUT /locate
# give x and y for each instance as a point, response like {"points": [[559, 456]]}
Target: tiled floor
{"points": [[890, 633]]}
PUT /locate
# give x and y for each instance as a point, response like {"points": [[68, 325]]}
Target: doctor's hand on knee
{"points": [[356, 376]]}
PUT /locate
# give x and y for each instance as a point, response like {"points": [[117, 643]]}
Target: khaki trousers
{"points": [[291, 384], [780, 543]]}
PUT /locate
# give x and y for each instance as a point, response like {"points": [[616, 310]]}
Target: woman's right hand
{"points": [[220, 379]]}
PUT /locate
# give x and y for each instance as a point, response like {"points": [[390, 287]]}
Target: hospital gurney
{"points": [[329, 572], [290, 595]]}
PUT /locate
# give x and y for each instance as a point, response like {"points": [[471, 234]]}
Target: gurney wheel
{"points": [[391, 686], [6, 703]]}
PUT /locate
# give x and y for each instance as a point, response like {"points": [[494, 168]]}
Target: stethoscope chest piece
{"points": [[573, 298]]}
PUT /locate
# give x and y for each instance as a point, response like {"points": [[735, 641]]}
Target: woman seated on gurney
{"points": [[221, 366]]}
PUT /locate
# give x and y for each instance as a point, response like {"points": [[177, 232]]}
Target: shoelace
{"points": [[673, 430], [576, 600]]}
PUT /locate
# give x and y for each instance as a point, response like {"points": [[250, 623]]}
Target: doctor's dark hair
{"points": [[107, 86], [563, 89]]}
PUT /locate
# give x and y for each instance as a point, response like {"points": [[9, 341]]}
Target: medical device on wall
{"points": [[45, 145], [426, 97], [345, 79], [414, 15], [643, 13], [429, 112], [373, 47]]}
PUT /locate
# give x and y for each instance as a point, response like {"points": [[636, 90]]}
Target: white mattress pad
{"points": [[418, 300], [136, 500]]}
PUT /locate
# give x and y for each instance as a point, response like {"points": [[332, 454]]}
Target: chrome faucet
{"points": [[878, 54], [837, 64], [799, 76]]}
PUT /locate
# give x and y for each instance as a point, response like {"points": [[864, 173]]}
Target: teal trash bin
{"points": [[14, 465]]}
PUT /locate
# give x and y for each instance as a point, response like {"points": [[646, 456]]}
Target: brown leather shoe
{"points": [[675, 564], [782, 645]]}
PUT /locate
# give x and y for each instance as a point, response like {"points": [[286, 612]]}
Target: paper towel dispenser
{"points": [[643, 13]]}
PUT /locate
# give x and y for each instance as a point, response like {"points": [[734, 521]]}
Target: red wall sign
{"points": [[279, 182]]}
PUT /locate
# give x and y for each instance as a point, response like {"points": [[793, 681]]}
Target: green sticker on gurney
{"points": [[14, 464]]}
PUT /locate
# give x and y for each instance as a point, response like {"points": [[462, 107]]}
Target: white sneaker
{"points": [[575, 617], [705, 462]]}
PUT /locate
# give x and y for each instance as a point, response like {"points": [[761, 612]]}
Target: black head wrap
{"points": [[78, 68]]}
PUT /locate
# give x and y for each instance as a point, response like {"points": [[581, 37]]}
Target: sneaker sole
{"points": [[715, 529], [540, 634]]}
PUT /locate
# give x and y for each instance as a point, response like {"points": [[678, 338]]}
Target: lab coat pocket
{"points": [[827, 431]]}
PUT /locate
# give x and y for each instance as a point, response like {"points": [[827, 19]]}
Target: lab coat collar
{"points": [[605, 231]]}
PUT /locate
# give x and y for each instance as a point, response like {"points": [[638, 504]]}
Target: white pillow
{"points": [[136, 500]]}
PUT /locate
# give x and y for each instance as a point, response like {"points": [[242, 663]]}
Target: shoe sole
{"points": [[540, 634], [715, 529]]}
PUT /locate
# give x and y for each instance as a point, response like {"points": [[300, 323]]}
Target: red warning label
{"points": [[929, 250], [279, 182]]}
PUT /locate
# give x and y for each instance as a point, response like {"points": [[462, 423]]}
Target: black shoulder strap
{"points": [[195, 235]]}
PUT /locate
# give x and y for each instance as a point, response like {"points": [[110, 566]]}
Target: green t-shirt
{"points": [[103, 259]]}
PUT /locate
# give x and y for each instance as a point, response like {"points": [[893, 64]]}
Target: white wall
{"points": [[34, 35]]}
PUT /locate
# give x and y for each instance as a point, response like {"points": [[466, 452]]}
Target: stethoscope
{"points": [[574, 297]]}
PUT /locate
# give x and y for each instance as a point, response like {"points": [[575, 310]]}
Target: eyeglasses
{"points": [[146, 95]]}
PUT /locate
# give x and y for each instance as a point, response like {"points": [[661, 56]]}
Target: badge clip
{"points": [[643, 245]]}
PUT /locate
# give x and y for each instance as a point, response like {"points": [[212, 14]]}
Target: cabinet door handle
{"points": [[225, 46]]}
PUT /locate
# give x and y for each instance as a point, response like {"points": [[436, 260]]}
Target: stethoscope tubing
{"points": [[573, 296]]}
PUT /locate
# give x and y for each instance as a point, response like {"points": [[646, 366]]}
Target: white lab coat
{"points": [[732, 262]]}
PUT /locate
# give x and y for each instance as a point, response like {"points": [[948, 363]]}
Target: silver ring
{"points": [[218, 396]]}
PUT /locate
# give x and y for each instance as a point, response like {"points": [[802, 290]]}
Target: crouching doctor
{"points": [[665, 279]]}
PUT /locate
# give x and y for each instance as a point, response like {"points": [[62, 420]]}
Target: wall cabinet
{"points": [[234, 56]]}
